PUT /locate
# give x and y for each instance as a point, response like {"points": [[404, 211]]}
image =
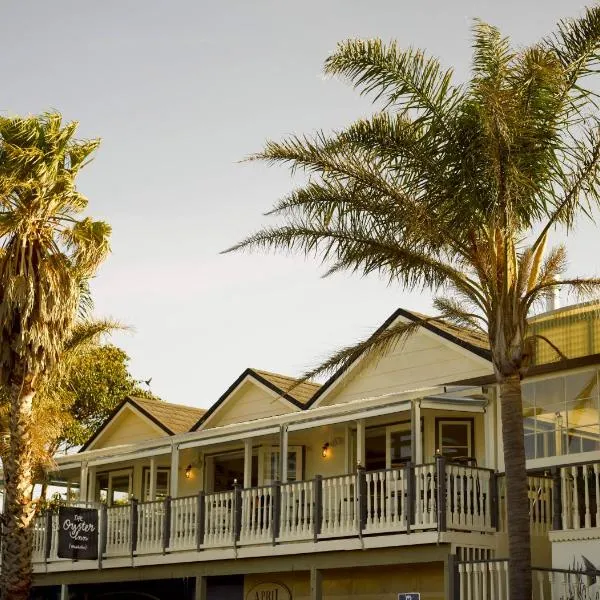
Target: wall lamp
{"points": [[325, 450], [188, 472]]}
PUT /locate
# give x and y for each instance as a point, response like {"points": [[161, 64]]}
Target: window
{"points": [[270, 464], [455, 438], [388, 447], [562, 415], [163, 480], [114, 487]]}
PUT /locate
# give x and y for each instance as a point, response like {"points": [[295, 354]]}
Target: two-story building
{"points": [[364, 487]]}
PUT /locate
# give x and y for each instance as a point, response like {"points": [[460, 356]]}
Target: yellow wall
{"points": [[368, 583], [251, 401], [127, 428], [424, 360]]}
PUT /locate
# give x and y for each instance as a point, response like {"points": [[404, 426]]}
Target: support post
{"points": [[174, 471], [453, 578], [103, 531], [64, 592], [283, 454], [276, 493], [495, 501], [91, 488], [200, 510], [557, 499], [48, 544], [166, 532], [440, 476], [152, 488], [316, 584], [360, 442], [200, 591], [318, 508], [489, 425], [83, 482], [248, 462], [417, 436], [361, 488], [134, 525], [410, 494], [237, 511]]}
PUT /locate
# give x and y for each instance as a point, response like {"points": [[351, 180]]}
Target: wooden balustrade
{"points": [[39, 538], [339, 506], [219, 519], [184, 523], [118, 530], [297, 511], [257, 515], [469, 498], [425, 500], [580, 496], [386, 500], [150, 527]]}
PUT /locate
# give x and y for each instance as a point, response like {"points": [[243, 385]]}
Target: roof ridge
{"points": [[273, 373], [160, 402]]}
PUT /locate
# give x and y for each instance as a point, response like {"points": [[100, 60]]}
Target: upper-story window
{"points": [[562, 415], [455, 438]]}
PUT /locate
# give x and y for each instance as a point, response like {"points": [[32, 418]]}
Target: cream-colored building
{"points": [[392, 469]]}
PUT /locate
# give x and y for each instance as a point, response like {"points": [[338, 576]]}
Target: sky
{"points": [[180, 93]]}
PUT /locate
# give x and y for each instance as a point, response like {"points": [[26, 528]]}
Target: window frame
{"points": [[146, 481], [440, 421]]}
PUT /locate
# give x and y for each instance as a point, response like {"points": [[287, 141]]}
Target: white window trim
{"points": [[442, 422]]}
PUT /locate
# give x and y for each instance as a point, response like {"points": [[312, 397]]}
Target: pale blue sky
{"points": [[180, 92]]}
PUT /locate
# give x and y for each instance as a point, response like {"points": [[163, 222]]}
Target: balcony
{"points": [[367, 509]]}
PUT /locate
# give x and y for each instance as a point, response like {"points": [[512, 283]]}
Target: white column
{"points": [[360, 443], [91, 491], [489, 424], [64, 592], [248, 462], [418, 435], [152, 490], [174, 471], [83, 482], [347, 450], [283, 454]]}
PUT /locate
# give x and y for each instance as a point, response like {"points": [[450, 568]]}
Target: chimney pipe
{"points": [[553, 300]]}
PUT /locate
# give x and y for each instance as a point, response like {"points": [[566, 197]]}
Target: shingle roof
{"points": [[177, 418], [302, 392]]}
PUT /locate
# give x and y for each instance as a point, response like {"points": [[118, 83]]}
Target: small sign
{"points": [[269, 591], [77, 533], [410, 596]]}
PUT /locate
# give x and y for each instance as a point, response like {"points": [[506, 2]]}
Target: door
{"points": [[115, 487]]}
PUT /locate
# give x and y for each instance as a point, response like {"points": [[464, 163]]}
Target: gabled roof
{"points": [[299, 396], [473, 342], [171, 418]]}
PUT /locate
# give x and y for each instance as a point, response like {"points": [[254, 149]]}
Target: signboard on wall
{"points": [[269, 591], [77, 533], [409, 596]]}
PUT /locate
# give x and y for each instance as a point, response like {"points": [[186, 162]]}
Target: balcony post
{"points": [[416, 434], [440, 471], [316, 584], [174, 471], [237, 510], [276, 499], [152, 490], [318, 508], [361, 492], [166, 532], [360, 442], [283, 454], [48, 544], [200, 509], [556, 499], [494, 501], [409, 474], [134, 525], [248, 462], [83, 482], [103, 530]]}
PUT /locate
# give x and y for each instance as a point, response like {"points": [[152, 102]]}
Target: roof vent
{"points": [[553, 300]]}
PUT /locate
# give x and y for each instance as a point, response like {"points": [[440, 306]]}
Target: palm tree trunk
{"points": [[517, 499], [15, 577]]}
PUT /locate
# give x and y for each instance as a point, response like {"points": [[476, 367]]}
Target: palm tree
{"points": [[46, 257], [454, 188]]}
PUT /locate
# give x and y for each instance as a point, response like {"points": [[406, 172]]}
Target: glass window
{"points": [[163, 476], [400, 445], [561, 414], [271, 464], [114, 487], [455, 439], [375, 449]]}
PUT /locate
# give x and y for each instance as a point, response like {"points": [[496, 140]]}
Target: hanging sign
{"points": [[77, 533], [269, 591]]}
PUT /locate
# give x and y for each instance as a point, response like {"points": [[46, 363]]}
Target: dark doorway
{"points": [[230, 587]]}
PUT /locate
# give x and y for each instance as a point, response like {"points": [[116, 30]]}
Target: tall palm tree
{"points": [[47, 254], [445, 188]]}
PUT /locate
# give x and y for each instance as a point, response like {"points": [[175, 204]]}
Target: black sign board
{"points": [[77, 533]]}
